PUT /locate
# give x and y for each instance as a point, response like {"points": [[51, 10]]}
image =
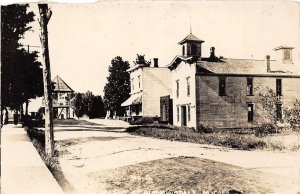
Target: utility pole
{"points": [[45, 15]]}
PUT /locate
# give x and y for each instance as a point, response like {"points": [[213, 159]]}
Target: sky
{"points": [[84, 38]]}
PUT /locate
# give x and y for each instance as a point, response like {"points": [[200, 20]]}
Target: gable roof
{"points": [[60, 85], [190, 38], [283, 47], [243, 67], [227, 66]]}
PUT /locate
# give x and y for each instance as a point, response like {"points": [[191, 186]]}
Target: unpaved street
{"points": [[97, 159]]}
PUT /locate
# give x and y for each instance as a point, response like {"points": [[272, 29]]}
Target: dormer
{"points": [[191, 46], [284, 54]]}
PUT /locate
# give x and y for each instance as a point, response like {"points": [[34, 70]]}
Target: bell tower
{"points": [[191, 46], [284, 54]]}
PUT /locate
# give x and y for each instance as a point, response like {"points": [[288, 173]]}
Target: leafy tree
{"points": [[292, 115], [89, 104], [94, 106], [117, 89], [140, 59], [79, 106], [269, 101], [21, 75]]}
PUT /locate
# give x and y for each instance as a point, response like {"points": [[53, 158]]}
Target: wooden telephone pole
{"points": [[45, 15]]}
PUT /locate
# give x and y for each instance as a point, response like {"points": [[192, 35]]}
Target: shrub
{"points": [[143, 121], [205, 129], [265, 129]]}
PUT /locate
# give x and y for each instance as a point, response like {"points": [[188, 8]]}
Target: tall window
{"points": [[286, 55], [177, 88], [194, 49], [278, 87], [250, 112], [183, 50], [249, 86], [188, 87], [222, 86], [139, 79], [279, 111], [132, 85], [177, 113], [189, 112]]}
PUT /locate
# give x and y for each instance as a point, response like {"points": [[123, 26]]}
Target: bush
{"points": [[143, 121], [231, 140], [265, 129], [205, 129]]}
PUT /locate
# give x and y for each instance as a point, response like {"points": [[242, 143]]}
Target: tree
{"points": [[20, 70], [270, 101], [140, 59], [94, 106], [89, 104], [79, 105], [117, 89], [292, 115]]}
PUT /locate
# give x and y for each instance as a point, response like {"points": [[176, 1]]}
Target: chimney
{"points": [[268, 63], [155, 62], [212, 52]]}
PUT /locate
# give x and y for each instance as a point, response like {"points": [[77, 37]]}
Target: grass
{"points": [[38, 139], [181, 174], [72, 122], [228, 139]]}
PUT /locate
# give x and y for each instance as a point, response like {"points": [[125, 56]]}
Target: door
{"points": [[164, 112], [183, 115]]}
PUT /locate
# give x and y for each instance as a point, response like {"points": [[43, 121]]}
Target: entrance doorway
{"points": [[183, 116]]}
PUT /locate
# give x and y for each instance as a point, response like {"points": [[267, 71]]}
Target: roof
{"points": [[242, 66], [133, 99], [190, 38], [235, 66], [60, 85], [283, 47]]}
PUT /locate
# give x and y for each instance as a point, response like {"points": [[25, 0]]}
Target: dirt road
{"points": [[97, 160]]}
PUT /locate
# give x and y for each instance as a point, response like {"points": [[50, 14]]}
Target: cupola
{"points": [[191, 46]]}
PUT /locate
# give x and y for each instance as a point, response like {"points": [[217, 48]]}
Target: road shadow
{"points": [[107, 129], [80, 140]]}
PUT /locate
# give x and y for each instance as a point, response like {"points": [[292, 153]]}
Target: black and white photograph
{"points": [[150, 97]]}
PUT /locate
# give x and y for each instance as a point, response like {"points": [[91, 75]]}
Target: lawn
{"points": [[73, 122], [231, 139]]}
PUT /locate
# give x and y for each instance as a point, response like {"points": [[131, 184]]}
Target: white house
{"points": [[148, 84]]}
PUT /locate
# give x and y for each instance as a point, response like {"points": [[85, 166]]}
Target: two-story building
{"points": [[224, 92], [62, 96], [148, 84]]}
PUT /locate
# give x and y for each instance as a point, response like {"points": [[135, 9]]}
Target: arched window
{"points": [[286, 55], [193, 49], [183, 50]]}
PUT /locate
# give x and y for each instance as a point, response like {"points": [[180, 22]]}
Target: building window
{"points": [[177, 113], [189, 112], [139, 79], [279, 111], [183, 50], [222, 86], [278, 87], [286, 55], [188, 86], [250, 112], [249, 86], [194, 49], [177, 88], [132, 85]]}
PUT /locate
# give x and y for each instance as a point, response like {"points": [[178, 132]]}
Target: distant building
{"points": [[224, 92], [148, 84], [62, 99]]}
